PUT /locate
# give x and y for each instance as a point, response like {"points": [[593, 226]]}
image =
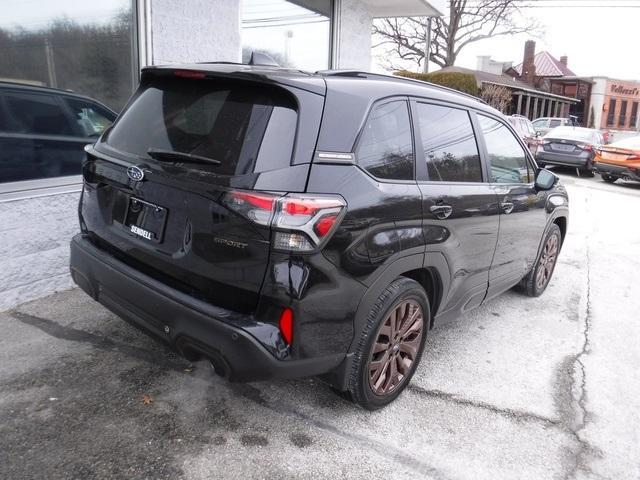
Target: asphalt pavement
{"points": [[545, 388]]}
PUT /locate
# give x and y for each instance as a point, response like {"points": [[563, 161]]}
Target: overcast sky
{"points": [[597, 40]]}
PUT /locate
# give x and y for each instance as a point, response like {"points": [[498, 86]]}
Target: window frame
{"points": [[485, 153], [422, 173], [378, 103], [140, 52]]}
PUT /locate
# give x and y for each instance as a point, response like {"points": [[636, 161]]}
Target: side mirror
{"points": [[546, 180], [538, 134]]}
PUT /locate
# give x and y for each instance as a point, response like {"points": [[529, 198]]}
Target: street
{"points": [[527, 388]]}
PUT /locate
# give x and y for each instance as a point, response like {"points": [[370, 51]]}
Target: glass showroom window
{"points": [[66, 68], [294, 33]]}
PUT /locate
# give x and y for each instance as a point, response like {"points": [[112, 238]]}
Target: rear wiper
{"points": [[180, 157]]}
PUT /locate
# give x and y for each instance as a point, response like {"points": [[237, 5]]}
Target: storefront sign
{"points": [[625, 90]]}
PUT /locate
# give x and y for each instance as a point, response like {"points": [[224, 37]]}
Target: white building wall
{"points": [[353, 36], [597, 99], [193, 31], [34, 246]]}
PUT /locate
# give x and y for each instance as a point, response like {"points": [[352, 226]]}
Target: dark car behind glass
{"points": [[43, 131], [284, 224]]}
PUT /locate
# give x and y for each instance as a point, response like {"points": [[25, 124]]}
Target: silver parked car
{"points": [[570, 147]]}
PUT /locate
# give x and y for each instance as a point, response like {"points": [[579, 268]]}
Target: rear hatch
{"points": [[569, 141], [159, 184]]}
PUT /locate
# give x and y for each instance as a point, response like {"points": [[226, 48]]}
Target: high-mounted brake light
{"points": [[301, 222], [189, 74]]}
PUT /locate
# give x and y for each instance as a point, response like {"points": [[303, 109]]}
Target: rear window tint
{"points": [[36, 114], [244, 127]]}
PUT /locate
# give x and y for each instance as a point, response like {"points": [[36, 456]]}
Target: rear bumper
{"points": [[617, 171], [562, 159], [181, 321]]}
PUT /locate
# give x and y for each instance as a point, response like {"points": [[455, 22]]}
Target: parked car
{"points": [[570, 147], [284, 224], [524, 128], [544, 125], [43, 131], [619, 160]]}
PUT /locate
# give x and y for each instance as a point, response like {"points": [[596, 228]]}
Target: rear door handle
{"points": [[441, 211], [506, 207]]}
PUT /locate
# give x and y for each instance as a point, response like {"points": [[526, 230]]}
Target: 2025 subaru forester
{"points": [[285, 224]]}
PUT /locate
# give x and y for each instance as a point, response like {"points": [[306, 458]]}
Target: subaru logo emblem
{"points": [[135, 173]]}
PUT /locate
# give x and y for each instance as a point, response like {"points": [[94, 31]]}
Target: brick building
{"points": [[545, 72], [616, 104]]}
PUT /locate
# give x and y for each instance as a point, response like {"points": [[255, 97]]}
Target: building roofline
{"points": [[533, 91]]}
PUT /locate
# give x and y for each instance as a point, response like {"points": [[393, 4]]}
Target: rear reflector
{"points": [[286, 325]]}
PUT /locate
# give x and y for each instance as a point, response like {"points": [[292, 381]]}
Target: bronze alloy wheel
{"points": [[396, 347], [547, 262]]}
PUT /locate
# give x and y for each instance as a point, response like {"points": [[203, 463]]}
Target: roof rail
{"points": [[362, 74], [19, 84]]}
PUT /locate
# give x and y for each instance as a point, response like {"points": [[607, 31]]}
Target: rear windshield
{"points": [[573, 133], [244, 127]]}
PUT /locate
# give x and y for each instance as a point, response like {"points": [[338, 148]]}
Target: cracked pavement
{"points": [[545, 388]]}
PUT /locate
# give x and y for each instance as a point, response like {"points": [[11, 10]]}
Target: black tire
{"points": [[402, 291], [531, 285], [589, 169], [608, 178]]}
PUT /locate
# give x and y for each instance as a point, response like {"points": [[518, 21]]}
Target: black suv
{"points": [[43, 131], [286, 224]]}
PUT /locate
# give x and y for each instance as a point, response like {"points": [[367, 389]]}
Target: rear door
{"points": [[460, 214], [196, 223], [522, 207]]}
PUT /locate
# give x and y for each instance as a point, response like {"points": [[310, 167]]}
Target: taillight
{"points": [[286, 325], [257, 207], [301, 222], [586, 147]]}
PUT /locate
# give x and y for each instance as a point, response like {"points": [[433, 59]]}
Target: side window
{"points": [[555, 123], [530, 130], [37, 114], [449, 144], [386, 148], [91, 118], [541, 123], [507, 158]]}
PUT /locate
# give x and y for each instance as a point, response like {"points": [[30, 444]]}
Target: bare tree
{"points": [[496, 96], [468, 21]]}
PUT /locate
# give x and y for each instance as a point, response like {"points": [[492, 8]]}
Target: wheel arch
{"points": [[430, 280], [561, 222]]}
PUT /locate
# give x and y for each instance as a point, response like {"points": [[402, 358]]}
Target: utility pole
{"points": [[427, 44], [51, 65]]}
